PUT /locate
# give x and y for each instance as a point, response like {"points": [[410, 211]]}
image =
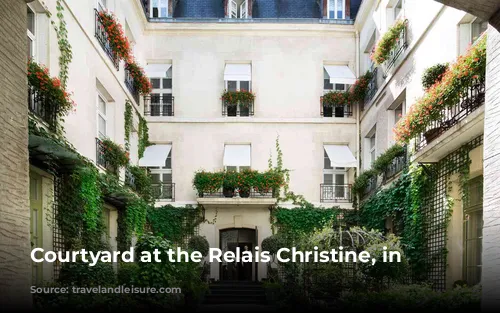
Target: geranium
{"points": [[243, 97], [468, 68], [335, 98], [141, 81], [388, 42], [117, 40], [50, 88], [359, 89], [114, 154]]}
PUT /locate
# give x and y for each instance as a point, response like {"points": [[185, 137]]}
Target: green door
{"points": [[36, 222]]}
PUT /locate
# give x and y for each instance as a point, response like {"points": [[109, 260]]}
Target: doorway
{"points": [[242, 239]]}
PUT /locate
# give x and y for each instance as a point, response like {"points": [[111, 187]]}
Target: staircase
{"points": [[236, 293]]}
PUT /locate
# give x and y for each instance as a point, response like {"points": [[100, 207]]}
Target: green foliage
{"points": [[359, 90], [385, 159], [174, 223], [336, 98], [242, 97], [304, 220], [208, 182], [142, 182], [388, 41], [230, 180], [361, 183], [81, 274], [143, 133], [433, 74], [409, 298], [114, 154], [66, 54], [273, 243], [128, 124], [199, 243]]}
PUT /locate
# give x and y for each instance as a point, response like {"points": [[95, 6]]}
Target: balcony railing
{"points": [[159, 105], [129, 82], [130, 179], [164, 191], [397, 51], [372, 86], [335, 193], [102, 36], [471, 99], [100, 159], [252, 193], [397, 165], [336, 111], [370, 187], [237, 109], [42, 106]]}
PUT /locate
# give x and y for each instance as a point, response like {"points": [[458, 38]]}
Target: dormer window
{"points": [[336, 9], [158, 8], [237, 9]]}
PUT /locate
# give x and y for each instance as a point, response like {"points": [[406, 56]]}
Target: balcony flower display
{"points": [[242, 97], [335, 98], [141, 81], [49, 87], [117, 40], [207, 182], [383, 48], [461, 74], [114, 154], [359, 89]]}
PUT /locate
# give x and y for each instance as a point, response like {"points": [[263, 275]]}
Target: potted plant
{"points": [[205, 182], [246, 180], [229, 184], [432, 134]]}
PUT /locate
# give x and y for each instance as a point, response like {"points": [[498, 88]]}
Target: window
{"points": [[158, 8], [336, 9], [477, 28], [470, 29], [237, 9], [238, 110], [161, 95], [101, 5], [372, 149], [338, 111], [31, 21], [101, 117], [473, 229], [335, 177], [398, 9], [162, 179], [398, 113]]}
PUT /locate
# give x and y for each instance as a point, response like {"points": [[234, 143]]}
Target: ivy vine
{"points": [[64, 46], [128, 124], [143, 136]]}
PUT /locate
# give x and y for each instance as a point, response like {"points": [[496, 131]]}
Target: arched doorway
{"points": [[233, 239]]}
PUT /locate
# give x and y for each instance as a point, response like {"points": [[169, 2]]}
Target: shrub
{"points": [[433, 75], [385, 159], [81, 274], [273, 243], [199, 243]]}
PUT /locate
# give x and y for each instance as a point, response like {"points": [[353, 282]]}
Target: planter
{"points": [[432, 134], [244, 193], [231, 110], [228, 192], [327, 111], [200, 194]]}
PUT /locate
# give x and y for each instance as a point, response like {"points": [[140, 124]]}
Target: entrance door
{"points": [[36, 222], [231, 240]]}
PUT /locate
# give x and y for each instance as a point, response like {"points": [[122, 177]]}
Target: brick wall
{"points": [[15, 247]]}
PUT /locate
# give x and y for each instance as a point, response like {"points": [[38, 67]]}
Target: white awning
{"points": [[157, 70], [340, 156], [237, 155], [340, 74], [241, 72], [155, 155]]}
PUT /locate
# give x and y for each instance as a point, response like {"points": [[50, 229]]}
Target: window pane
{"points": [[102, 127], [169, 72], [102, 106], [327, 164], [372, 142], [340, 87], [30, 48], [167, 83], [339, 179], [155, 82], [168, 161], [328, 179], [167, 178], [372, 156], [327, 85], [340, 8], [155, 178], [231, 168], [31, 21], [331, 8], [231, 85], [244, 85]]}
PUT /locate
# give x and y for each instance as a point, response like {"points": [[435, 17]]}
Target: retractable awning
{"points": [[340, 74], [155, 156], [238, 72], [340, 156], [237, 155], [157, 70]]}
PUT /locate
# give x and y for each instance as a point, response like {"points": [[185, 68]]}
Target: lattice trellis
{"points": [[436, 210], [57, 238]]}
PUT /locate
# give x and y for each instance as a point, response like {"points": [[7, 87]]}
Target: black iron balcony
{"points": [[164, 191], [335, 193], [159, 105], [370, 187], [336, 111], [397, 51], [471, 99], [372, 86], [235, 193], [397, 165], [101, 159], [237, 109], [129, 82], [102, 36], [42, 106]]}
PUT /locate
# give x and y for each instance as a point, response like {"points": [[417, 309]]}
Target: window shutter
{"points": [[244, 9], [233, 9]]}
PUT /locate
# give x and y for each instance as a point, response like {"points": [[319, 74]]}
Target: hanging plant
{"points": [[50, 87], [359, 89], [141, 81], [242, 97], [336, 98], [114, 154], [117, 40], [446, 93], [388, 42], [143, 133], [433, 75]]}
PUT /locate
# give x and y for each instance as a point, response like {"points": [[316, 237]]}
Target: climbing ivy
{"points": [[128, 124], [143, 136], [62, 40]]}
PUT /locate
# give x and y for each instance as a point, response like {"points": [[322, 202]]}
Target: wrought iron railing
{"points": [[101, 159], [371, 186], [335, 193], [397, 51], [130, 179], [164, 191], [42, 106], [471, 99], [237, 109], [372, 86], [159, 105], [129, 82], [397, 165], [102, 36], [335, 111], [235, 193]]}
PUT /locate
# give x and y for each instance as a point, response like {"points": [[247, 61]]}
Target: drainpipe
{"points": [[358, 147]]}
